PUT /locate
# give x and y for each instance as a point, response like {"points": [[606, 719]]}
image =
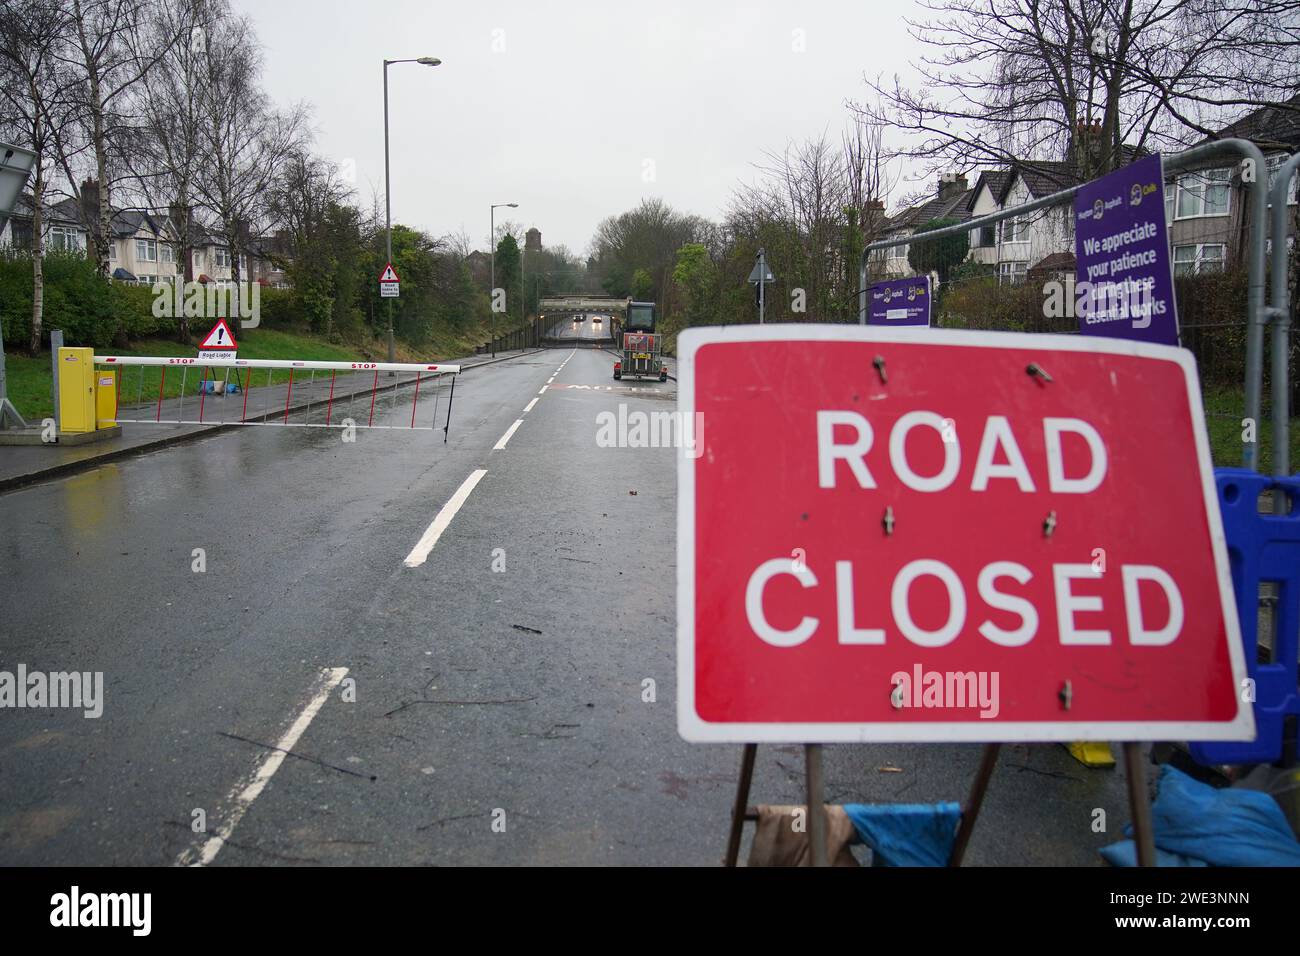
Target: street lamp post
{"points": [[492, 241], [388, 193]]}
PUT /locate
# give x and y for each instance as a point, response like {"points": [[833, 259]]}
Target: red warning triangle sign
{"points": [[219, 338], [388, 275]]}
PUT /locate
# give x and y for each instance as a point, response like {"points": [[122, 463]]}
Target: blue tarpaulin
{"points": [[1202, 824], [907, 834]]}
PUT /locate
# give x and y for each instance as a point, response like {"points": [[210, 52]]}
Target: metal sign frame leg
{"points": [[742, 802], [1139, 805], [970, 813]]}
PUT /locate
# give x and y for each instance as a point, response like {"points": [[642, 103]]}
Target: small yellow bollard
{"points": [[106, 398], [1092, 753], [76, 390]]}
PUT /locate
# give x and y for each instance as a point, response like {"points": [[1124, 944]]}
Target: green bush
{"points": [[76, 300]]}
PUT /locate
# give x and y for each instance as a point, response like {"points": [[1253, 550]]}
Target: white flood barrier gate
{"points": [[315, 394]]}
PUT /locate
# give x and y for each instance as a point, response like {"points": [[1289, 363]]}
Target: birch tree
{"points": [[245, 139], [33, 109]]}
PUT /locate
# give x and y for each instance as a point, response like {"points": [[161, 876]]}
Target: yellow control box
{"points": [[105, 397], [76, 390]]}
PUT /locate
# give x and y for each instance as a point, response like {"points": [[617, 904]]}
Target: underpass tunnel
{"points": [[569, 327]]}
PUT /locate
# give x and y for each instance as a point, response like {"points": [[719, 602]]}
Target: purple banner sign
{"points": [[900, 302], [1124, 281]]}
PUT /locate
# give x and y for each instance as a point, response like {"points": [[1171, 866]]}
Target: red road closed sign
{"points": [[886, 535]]}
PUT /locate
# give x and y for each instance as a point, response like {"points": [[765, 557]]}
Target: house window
{"points": [[65, 238], [112, 251], [986, 237], [1012, 273], [198, 259], [1203, 193], [21, 230], [1199, 259], [167, 253], [1014, 230], [1170, 191], [221, 257], [1274, 164], [146, 250]]}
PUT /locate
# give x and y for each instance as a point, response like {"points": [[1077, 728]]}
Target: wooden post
{"points": [[816, 802]]}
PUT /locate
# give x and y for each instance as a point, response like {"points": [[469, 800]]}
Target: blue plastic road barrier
{"points": [[907, 834], [1262, 547]]}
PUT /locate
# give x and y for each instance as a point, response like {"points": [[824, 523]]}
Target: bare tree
{"points": [[170, 105], [107, 60], [245, 139], [1016, 81], [800, 211], [33, 110]]}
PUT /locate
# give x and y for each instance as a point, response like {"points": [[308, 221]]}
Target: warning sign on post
{"points": [[388, 283], [219, 344], [975, 536]]}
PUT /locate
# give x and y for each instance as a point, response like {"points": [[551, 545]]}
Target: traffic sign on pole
{"points": [[759, 277], [970, 536], [388, 283]]}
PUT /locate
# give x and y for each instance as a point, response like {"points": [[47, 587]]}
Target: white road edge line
{"points": [[432, 533], [330, 678], [529, 407], [509, 431]]}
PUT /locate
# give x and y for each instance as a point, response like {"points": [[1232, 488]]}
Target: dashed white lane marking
{"points": [[330, 678], [509, 431], [442, 520], [542, 390], [529, 407]]}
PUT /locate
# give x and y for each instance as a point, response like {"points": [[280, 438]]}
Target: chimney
{"points": [[1085, 147], [179, 214], [90, 200], [951, 184], [873, 214]]}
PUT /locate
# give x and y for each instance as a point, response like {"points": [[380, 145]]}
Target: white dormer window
{"points": [[221, 257], [146, 250]]}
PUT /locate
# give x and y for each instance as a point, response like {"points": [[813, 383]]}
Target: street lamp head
{"points": [[513, 205], [429, 61]]}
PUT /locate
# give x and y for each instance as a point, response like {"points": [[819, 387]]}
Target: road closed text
{"points": [[993, 600]]}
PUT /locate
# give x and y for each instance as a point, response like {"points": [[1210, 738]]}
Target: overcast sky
{"points": [[575, 109]]}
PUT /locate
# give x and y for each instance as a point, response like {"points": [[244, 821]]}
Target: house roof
{"points": [[125, 223], [955, 206], [64, 211], [1056, 262], [1044, 177], [1275, 126], [994, 179], [1041, 178]]}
